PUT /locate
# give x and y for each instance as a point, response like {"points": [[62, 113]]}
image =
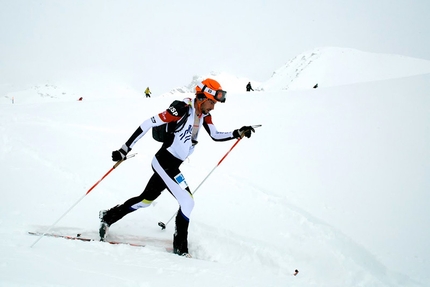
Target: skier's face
{"points": [[207, 106]]}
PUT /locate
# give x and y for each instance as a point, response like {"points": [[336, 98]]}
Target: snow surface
{"points": [[334, 66], [335, 183]]}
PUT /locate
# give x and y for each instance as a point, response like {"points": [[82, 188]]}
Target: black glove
{"points": [[121, 153], [243, 131]]}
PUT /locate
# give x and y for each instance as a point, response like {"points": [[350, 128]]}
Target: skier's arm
{"points": [[225, 136], [214, 133], [140, 132], [174, 113]]}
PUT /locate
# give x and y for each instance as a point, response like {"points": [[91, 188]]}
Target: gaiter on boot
{"points": [[180, 242]]}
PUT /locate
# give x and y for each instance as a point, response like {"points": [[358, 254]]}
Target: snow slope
{"points": [[332, 66], [335, 184], [230, 83]]}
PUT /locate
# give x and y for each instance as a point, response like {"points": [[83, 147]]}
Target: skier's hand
{"points": [[121, 153], [243, 131]]}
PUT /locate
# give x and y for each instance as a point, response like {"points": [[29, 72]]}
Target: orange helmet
{"points": [[212, 90]]}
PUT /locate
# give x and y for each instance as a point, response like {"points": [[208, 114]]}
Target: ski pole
{"points": [[162, 224], [76, 203]]}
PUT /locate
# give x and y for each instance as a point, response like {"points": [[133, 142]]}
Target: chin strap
{"points": [[198, 105]]}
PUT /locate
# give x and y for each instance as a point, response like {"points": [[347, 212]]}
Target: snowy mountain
{"points": [[339, 66], [334, 184], [230, 83]]}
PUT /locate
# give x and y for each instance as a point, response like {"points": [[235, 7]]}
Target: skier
{"points": [[169, 158], [249, 87], [148, 92]]}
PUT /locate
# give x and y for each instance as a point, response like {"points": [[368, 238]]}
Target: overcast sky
{"points": [[162, 44]]}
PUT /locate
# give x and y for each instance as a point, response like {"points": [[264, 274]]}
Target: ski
{"points": [[152, 242], [85, 239]]}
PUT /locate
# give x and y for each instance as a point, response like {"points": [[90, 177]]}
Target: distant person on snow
{"points": [[175, 149], [248, 87], [148, 92]]}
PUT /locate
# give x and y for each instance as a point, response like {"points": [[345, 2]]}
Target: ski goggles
{"points": [[218, 95]]}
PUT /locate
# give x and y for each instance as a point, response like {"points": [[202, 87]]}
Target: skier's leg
{"points": [[152, 190], [177, 185]]}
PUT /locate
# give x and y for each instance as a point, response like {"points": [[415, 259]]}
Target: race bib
{"points": [[180, 179]]}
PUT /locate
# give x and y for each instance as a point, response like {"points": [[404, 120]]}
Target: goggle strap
{"points": [[212, 92], [209, 91]]}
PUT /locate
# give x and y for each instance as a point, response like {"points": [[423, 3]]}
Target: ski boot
{"points": [[104, 227], [180, 241], [110, 216], [180, 253], [180, 249]]}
